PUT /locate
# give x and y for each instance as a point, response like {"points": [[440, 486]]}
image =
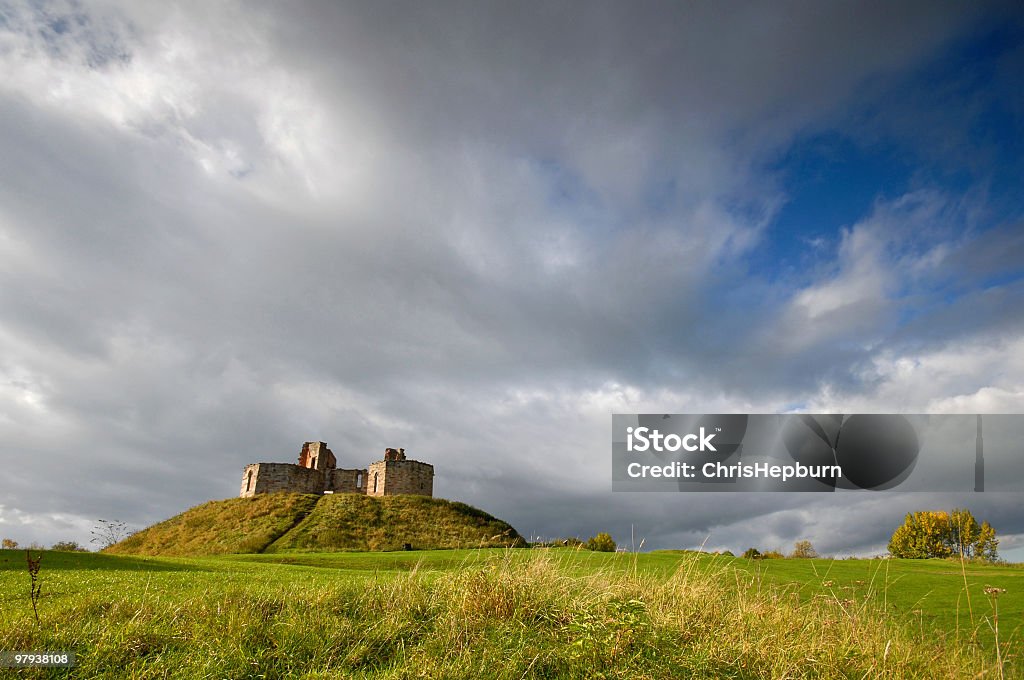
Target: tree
{"points": [[9, 544], [937, 533], [986, 547], [108, 532], [601, 543], [804, 550], [922, 534], [751, 554]]}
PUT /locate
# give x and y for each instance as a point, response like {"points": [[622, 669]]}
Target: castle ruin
{"points": [[318, 472]]}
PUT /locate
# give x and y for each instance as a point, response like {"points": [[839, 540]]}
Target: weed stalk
{"points": [[993, 596], [37, 587]]}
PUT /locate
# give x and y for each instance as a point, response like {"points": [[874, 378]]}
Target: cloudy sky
{"points": [[477, 230]]}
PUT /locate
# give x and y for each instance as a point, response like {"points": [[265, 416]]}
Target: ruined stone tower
{"points": [[317, 472], [398, 475]]}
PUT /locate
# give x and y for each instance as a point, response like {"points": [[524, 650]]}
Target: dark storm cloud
{"points": [[471, 230]]}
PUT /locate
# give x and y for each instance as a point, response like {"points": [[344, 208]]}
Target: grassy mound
{"points": [[235, 525], [303, 522], [353, 522]]}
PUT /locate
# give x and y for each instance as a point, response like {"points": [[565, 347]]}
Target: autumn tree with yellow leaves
{"points": [[937, 533]]}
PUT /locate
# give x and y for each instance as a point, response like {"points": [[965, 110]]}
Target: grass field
{"points": [[511, 613]]}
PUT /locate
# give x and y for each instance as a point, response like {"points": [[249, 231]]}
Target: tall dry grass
{"points": [[521, 614]]}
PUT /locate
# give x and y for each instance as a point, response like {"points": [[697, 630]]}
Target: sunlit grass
{"points": [[483, 613], [306, 522]]}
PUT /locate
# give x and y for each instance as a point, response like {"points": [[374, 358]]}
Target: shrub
{"points": [[772, 555], [67, 546], [602, 542]]}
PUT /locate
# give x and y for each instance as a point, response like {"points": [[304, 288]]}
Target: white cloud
{"points": [[45, 529], [879, 260], [983, 374]]}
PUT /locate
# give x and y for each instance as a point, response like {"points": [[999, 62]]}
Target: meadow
{"points": [[512, 613]]}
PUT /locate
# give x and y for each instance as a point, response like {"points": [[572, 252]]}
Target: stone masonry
{"points": [[317, 472]]}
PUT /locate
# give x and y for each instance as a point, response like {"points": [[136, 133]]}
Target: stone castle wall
{"points": [[348, 481], [278, 477]]}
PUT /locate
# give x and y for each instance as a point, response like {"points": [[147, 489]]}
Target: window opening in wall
{"points": [[375, 482], [359, 480], [248, 481]]}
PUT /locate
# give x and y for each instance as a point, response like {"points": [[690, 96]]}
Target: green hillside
{"points": [[235, 525], [354, 522], [303, 522]]}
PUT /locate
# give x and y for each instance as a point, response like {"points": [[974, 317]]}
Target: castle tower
{"points": [[316, 456], [396, 474]]}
